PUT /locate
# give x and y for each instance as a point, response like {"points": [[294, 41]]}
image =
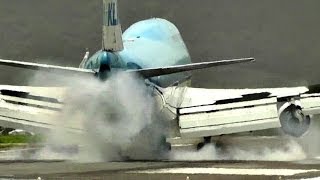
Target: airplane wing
{"points": [[213, 112], [152, 72], [45, 67], [33, 108], [146, 73]]}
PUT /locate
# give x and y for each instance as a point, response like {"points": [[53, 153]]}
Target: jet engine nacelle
{"points": [[292, 119]]}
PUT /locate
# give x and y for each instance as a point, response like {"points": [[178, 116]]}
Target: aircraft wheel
{"points": [[294, 122]]}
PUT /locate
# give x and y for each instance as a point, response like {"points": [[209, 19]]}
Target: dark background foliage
{"points": [[281, 35]]}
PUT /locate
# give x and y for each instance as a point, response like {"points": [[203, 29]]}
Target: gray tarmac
{"points": [[306, 169]]}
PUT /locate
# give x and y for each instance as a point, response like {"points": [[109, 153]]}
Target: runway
{"points": [[277, 163], [306, 169]]}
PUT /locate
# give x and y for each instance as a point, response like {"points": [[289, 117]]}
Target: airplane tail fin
{"points": [[112, 33]]}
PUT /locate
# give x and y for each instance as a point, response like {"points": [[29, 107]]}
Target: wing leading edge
{"points": [[45, 67], [147, 73], [152, 72]]}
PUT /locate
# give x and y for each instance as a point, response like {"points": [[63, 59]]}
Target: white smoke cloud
{"points": [[309, 141], [208, 152], [118, 117], [288, 151]]}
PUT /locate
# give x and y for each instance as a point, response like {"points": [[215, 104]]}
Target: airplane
{"points": [[155, 50]]}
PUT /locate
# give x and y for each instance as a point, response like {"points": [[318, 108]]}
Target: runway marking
{"points": [[315, 178], [227, 171]]}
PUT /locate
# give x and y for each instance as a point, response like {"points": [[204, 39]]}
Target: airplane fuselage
{"points": [[147, 44]]}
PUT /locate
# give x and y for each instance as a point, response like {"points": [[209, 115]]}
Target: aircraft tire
{"points": [[294, 122]]}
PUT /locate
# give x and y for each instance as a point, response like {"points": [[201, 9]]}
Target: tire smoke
{"points": [[117, 117], [290, 151]]}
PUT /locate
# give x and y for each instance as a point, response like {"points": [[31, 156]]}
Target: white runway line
{"points": [[315, 178], [228, 171], [9, 155]]}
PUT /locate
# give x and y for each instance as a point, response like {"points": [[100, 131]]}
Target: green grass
{"points": [[18, 139]]}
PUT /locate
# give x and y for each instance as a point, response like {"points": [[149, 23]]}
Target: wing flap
{"points": [[33, 109], [310, 104], [230, 128], [230, 118], [34, 118], [199, 96]]}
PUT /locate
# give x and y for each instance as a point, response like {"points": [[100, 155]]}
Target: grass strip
{"points": [[16, 139]]}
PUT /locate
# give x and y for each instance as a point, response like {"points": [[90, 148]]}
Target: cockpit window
{"points": [[115, 61]]}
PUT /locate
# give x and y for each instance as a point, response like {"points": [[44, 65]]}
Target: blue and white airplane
{"points": [[155, 50]]}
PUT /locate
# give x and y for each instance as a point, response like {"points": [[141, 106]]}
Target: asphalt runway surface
{"points": [[306, 169]]}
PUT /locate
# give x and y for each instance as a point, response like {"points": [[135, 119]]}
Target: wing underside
{"points": [[34, 109], [213, 112]]}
